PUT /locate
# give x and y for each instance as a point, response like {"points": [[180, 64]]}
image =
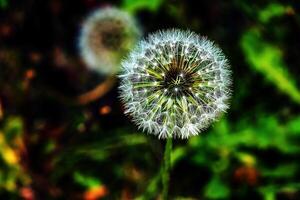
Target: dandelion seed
{"points": [[106, 37], [192, 89]]}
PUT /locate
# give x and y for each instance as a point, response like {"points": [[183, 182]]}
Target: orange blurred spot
{"points": [[97, 92], [246, 174], [30, 74], [26, 193], [95, 193], [104, 110]]}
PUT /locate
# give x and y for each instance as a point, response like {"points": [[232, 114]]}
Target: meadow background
{"points": [[54, 147]]}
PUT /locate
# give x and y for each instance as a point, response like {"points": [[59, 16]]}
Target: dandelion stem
{"points": [[166, 168]]}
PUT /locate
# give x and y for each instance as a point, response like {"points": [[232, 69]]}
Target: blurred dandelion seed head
{"points": [[106, 37], [175, 83]]}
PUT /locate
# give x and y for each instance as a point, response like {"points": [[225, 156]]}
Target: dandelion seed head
{"points": [[187, 90], [106, 37]]}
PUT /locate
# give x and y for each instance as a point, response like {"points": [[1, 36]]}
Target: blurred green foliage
{"points": [[85, 180], [267, 59], [3, 4], [272, 10], [11, 171], [133, 6], [216, 189]]}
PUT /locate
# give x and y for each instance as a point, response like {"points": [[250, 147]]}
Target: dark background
{"points": [[54, 147]]}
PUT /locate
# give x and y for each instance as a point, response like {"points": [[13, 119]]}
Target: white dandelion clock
{"points": [[106, 37], [175, 84]]}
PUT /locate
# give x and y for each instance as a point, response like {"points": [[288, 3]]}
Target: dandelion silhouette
{"points": [[175, 84], [106, 37]]}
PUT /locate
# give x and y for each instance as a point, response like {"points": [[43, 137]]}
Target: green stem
{"points": [[166, 169]]}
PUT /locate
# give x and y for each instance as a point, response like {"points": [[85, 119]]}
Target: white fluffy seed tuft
{"points": [[106, 37], [186, 88]]}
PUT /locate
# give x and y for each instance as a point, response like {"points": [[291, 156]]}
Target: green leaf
{"points": [[269, 192], [135, 5], [177, 154], [13, 128], [216, 189], [294, 126], [268, 60], [287, 171], [272, 10], [85, 180]]}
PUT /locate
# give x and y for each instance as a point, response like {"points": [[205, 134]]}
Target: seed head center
{"points": [[177, 82]]}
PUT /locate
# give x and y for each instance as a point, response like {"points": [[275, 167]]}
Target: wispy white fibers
{"points": [[106, 37], [175, 84]]}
